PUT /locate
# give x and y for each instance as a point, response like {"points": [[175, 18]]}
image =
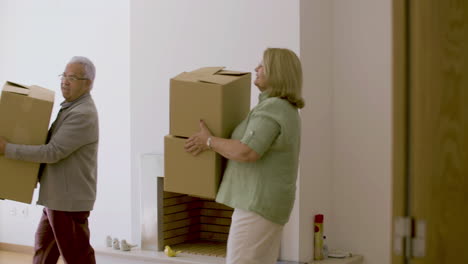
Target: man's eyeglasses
{"points": [[70, 78]]}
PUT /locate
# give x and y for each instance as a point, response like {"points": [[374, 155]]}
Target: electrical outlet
{"points": [[13, 211], [24, 212]]}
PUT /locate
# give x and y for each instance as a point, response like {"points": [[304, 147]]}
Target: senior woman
{"points": [[263, 155]]}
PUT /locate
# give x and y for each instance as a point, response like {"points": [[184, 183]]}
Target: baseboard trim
{"points": [[16, 248]]}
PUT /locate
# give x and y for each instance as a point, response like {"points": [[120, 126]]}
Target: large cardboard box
{"points": [[194, 175], [24, 119], [221, 98]]}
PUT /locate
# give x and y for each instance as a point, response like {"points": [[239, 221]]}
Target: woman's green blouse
{"points": [[268, 185]]}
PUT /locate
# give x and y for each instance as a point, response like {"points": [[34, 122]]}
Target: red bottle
{"points": [[318, 237]]}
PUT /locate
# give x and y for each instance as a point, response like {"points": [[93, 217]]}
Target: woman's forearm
{"points": [[233, 149]]}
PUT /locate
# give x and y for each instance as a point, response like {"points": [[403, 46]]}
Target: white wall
{"points": [[169, 37], [38, 39], [316, 173], [346, 150], [362, 120]]}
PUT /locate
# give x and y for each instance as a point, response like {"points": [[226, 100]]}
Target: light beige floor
{"points": [[8, 257]]}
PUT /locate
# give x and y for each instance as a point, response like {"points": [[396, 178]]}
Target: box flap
{"points": [[186, 76], [215, 75], [206, 71], [218, 79], [234, 73], [196, 75], [42, 93], [16, 88]]}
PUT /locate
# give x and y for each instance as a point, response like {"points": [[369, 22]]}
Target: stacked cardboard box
{"points": [[222, 99], [24, 119]]}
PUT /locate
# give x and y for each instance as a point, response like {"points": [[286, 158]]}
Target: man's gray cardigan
{"points": [[68, 181]]}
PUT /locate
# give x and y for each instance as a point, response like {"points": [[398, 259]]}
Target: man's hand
{"points": [[3, 143]]}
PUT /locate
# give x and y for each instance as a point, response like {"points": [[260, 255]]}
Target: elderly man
{"points": [[68, 172]]}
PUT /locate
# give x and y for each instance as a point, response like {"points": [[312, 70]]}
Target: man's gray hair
{"points": [[89, 69]]}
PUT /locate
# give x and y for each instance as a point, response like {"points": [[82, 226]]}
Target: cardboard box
{"points": [[221, 98], [183, 173], [24, 119]]}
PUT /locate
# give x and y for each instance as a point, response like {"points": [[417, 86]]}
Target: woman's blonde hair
{"points": [[283, 72]]}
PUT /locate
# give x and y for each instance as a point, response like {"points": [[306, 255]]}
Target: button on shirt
{"points": [[268, 185]]}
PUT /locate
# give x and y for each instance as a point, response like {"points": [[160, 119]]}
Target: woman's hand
{"points": [[228, 148], [197, 143]]}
